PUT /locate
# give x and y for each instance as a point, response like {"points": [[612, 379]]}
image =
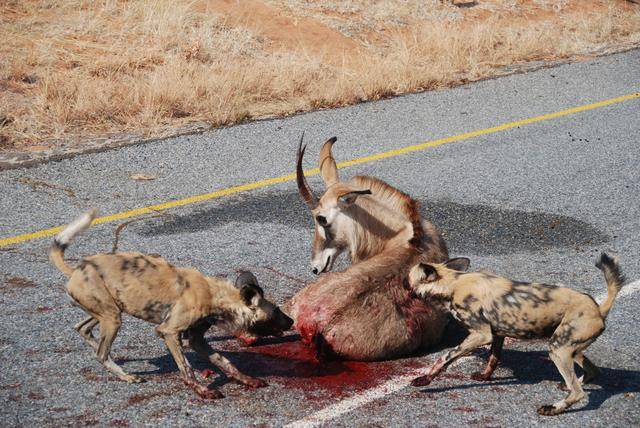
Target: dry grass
{"points": [[79, 68]]}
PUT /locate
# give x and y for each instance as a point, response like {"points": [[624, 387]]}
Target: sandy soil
{"points": [[75, 70]]}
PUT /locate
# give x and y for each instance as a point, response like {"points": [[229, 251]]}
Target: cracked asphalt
{"points": [[538, 201]]}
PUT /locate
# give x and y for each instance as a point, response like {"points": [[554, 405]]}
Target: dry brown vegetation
{"points": [[71, 70]]}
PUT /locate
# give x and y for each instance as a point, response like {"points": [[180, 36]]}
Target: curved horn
{"points": [[328, 168], [303, 186]]}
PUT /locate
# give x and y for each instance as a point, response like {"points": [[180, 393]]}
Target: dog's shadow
{"points": [[532, 367], [527, 367], [252, 361]]}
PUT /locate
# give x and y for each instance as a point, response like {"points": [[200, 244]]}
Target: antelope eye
{"points": [[322, 220]]}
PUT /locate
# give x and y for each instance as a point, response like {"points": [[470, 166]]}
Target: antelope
{"points": [[363, 216], [368, 311]]}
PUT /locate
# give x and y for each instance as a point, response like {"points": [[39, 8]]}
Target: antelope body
{"points": [[366, 312]]}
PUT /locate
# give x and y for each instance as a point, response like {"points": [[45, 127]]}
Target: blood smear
{"points": [[297, 367]]}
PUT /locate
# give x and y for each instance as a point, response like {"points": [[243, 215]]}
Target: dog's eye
{"points": [[322, 220]]}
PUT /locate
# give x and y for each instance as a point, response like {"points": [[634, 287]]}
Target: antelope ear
{"points": [[328, 167], [461, 264], [350, 197]]}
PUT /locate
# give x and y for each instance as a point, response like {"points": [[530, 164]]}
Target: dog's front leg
{"points": [[494, 359], [172, 340], [474, 340], [200, 345]]}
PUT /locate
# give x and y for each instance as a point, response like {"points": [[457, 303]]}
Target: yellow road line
{"points": [[270, 181]]}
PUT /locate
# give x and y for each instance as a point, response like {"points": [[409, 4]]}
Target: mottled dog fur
{"points": [[182, 301], [493, 308]]}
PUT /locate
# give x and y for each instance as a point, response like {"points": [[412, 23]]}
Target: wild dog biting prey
{"points": [[493, 308], [181, 301], [367, 312]]}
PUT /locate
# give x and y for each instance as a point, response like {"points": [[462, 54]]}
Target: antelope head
{"points": [[335, 213]]}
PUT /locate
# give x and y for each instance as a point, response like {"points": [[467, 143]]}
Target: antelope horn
{"points": [[328, 168], [303, 186]]}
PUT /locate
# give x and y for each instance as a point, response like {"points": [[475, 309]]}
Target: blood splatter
{"points": [[298, 367]]}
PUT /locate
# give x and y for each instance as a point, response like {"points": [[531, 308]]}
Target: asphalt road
{"points": [[536, 201]]}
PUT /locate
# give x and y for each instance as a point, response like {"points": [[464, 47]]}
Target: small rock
{"points": [[142, 177]]}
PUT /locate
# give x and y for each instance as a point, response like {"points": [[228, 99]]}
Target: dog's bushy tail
{"points": [[615, 280], [64, 238]]}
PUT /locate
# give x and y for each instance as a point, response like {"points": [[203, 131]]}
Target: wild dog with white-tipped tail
{"points": [[493, 308], [182, 301]]}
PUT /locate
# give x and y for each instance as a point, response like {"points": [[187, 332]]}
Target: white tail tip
{"points": [[76, 227]]}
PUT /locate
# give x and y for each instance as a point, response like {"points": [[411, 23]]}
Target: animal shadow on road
{"points": [[467, 228], [532, 367], [284, 357]]}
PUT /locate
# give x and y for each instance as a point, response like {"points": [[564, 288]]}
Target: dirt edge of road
{"points": [[21, 159]]}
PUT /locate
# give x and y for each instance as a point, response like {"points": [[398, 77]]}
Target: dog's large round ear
{"points": [[430, 273], [461, 264], [425, 273], [246, 278], [250, 291], [251, 294]]}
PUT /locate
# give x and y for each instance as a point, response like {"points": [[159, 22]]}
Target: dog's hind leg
{"points": [[109, 327], [84, 328], [200, 345], [494, 359], [591, 371], [563, 359], [475, 339]]}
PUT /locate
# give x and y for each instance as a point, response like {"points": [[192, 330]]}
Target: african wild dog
{"points": [[493, 308], [183, 302], [368, 311]]}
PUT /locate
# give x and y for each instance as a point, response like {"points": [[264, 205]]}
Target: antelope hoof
{"points": [[421, 381]]}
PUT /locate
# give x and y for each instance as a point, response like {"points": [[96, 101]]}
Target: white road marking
{"points": [[395, 384], [632, 287]]}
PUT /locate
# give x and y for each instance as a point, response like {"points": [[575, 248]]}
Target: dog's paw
{"points": [[209, 394], [135, 379], [253, 382], [421, 381], [246, 340], [480, 377], [548, 410], [207, 373]]}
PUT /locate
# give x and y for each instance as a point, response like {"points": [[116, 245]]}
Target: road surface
{"points": [[530, 176]]}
